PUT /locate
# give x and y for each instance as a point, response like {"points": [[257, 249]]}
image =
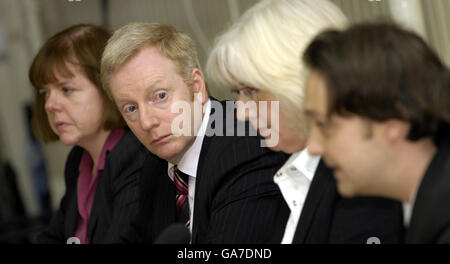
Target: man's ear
{"points": [[199, 85], [396, 129]]}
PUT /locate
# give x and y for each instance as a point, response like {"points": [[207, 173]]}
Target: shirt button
{"points": [[294, 202], [293, 168]]}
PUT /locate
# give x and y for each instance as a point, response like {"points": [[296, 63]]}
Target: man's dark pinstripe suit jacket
{"points": [[236, 200]]}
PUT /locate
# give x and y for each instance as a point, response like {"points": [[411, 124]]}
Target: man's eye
{"points": [[130, 109], [161, 95]]}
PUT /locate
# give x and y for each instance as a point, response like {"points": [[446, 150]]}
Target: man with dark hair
{"points": [[378, 100]]}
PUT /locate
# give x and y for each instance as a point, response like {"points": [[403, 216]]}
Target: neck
{"points": [[413, 162], [94, 145], [195, 130], [177, 158]]}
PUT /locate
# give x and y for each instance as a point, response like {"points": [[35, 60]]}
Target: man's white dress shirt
{"points": [[189, 162]]}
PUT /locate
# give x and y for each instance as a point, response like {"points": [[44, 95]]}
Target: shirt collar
{"points": [[305, 163], [189, 162], [300, 165], [86, 162], [408, 210], [110, 143]]}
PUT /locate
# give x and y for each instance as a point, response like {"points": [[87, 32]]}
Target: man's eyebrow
{"points": [[121, 97]]}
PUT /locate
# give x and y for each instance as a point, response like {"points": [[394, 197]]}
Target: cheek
{"points": [[135, 128], [50, 123], [180, 122], [348, 156], [55, 130], [248, 111], [291, 142], [263, 118], [242, 113], [288, 131], [334, 152], [94, 114], [89, 115]]}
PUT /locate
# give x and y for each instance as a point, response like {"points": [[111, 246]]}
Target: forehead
{"points": [[316, 96], [148, 63], [62, 74]]}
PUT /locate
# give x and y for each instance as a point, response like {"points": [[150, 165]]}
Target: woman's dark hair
{"points": [[80, 45]]}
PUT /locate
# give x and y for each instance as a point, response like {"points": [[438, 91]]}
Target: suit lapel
{"points": [[426, 220], [72, 208], [159, 196], [92, 226], [198, 180], [72, 216], [95, 210], [317, 191]]}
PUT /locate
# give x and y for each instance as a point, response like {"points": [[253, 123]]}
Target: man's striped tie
{"points": [[181, 181]]}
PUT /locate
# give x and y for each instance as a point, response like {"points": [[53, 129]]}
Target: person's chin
{"points": [[168, 152], [271, 144], [277, 148], [68, 140], [289, 149], [345, 189]]}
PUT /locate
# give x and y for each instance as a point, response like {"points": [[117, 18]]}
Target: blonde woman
{"points": [[258, 59]]}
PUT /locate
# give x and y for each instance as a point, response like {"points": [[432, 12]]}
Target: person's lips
{"points": [[61, 125], [161, 139]]}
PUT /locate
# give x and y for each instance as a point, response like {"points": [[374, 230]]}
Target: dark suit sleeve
{"points": [[124, 205], [156, 203], [122, 173], [247, 207], [54, 233], [444, 237], [373, 217]]}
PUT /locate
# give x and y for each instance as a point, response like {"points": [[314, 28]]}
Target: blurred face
{"points": [[74, 108], [145, 90], [352, 146], [269, 121]]}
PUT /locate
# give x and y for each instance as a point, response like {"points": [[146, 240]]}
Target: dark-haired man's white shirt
{"points": [[408, 210]]}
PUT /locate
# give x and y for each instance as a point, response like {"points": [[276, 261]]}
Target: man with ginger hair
{"points": [[219, 186]]}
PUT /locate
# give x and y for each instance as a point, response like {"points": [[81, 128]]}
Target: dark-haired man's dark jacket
{"points": [[430, 219], [327, 217]]}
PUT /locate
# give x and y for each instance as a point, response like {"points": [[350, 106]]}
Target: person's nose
{"points": [[53, 102], [315, 142], [147, 118]]}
